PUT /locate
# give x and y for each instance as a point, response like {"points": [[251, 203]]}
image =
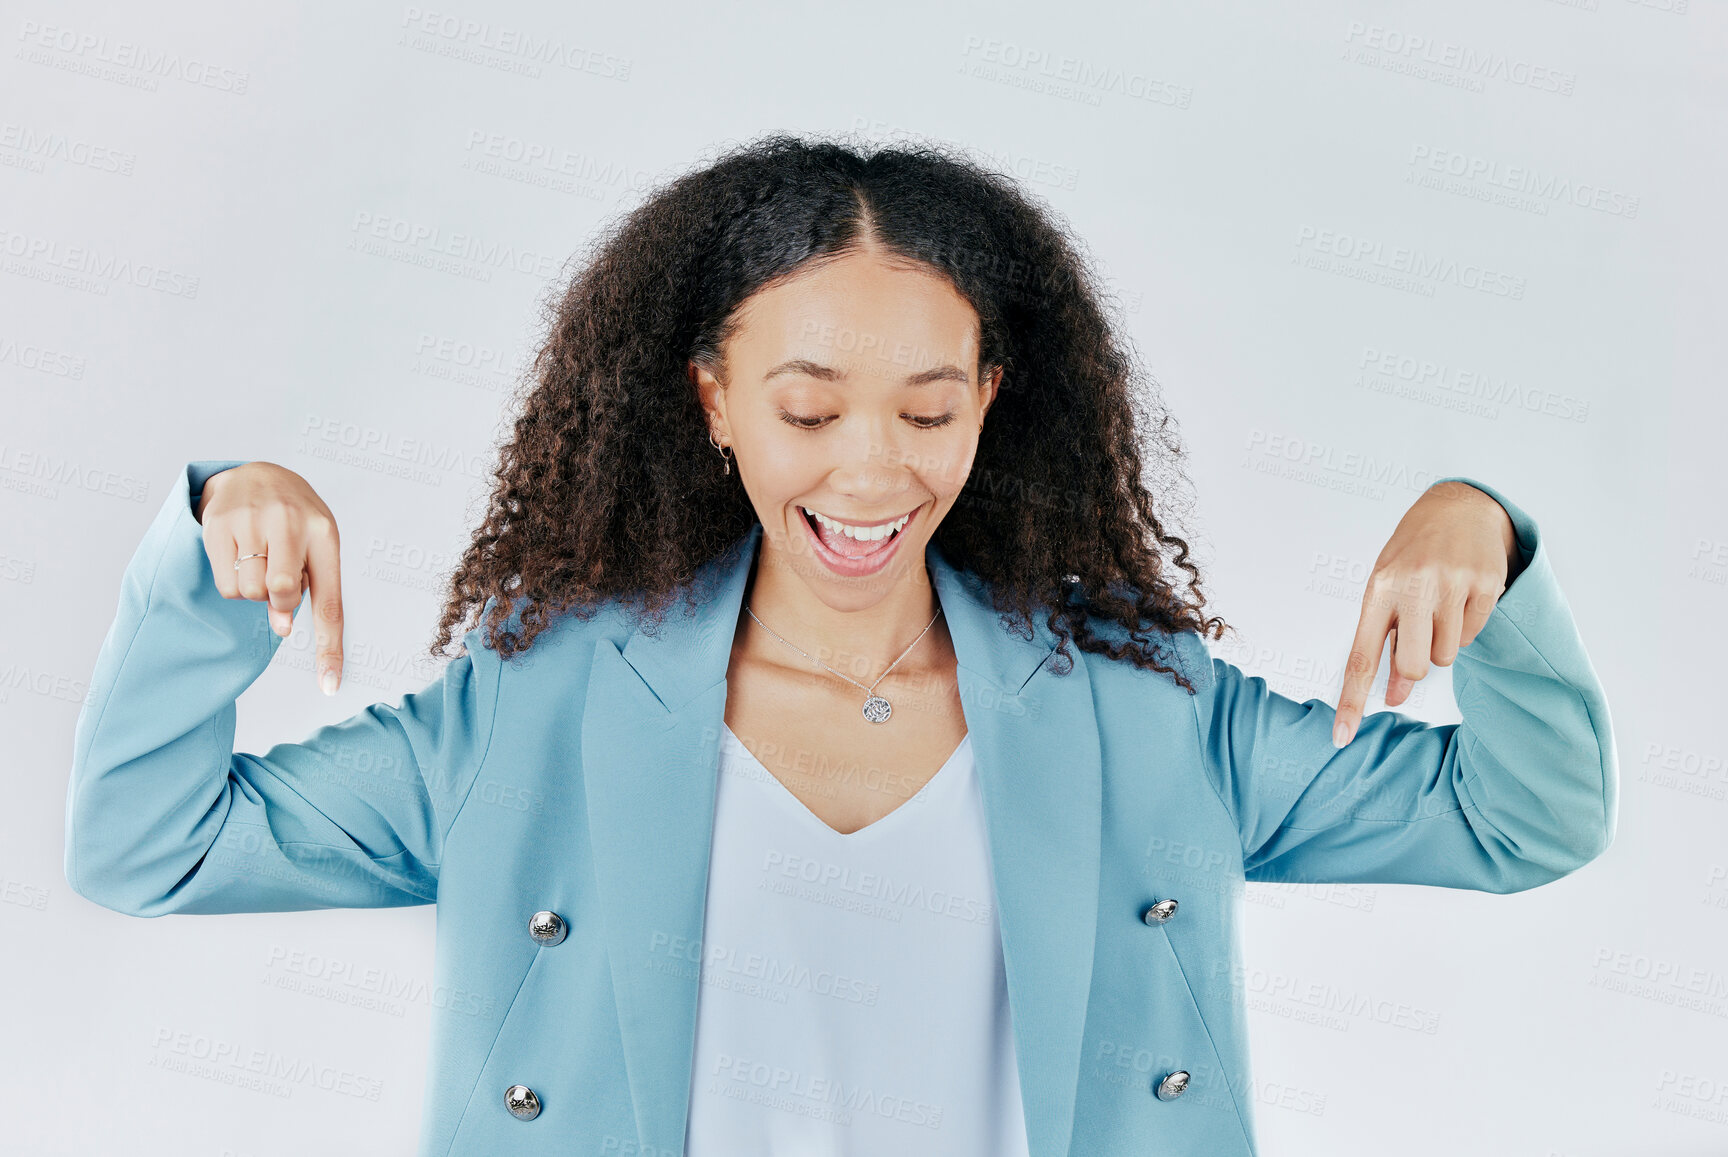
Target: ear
{"points": [[991, 385], [712, 396]]}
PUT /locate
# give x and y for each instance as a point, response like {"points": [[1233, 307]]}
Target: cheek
{"points": [[946, 469], [784, 463]]}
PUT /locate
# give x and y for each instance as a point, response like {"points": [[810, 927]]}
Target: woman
{"points": [[919, 839]]}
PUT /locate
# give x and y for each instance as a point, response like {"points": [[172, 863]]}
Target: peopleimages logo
{"points": [[1416, 263], [1039, 70], [1461, 383], [1413, 48], [93, 49], [432, 30], [1429, 161], [89, 268]]}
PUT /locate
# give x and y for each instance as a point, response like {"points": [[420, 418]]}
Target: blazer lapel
{"points": [[1035, 739], [651, 729], [650, 763]]}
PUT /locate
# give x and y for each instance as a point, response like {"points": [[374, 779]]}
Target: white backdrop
{"points": [[1362, 245]]}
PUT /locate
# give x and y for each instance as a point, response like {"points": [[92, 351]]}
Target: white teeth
{"points": [[861, 533]]}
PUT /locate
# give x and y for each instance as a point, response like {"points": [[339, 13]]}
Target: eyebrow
{"points": [[829, 374]]}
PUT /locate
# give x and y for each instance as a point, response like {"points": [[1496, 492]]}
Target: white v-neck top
{"points": [[853, 1001]]}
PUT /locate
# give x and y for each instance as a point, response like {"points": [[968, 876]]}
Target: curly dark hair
{"points": [[609, 488]]}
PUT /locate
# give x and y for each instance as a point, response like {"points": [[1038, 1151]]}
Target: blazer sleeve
{"points": [[162, 815], [1522, 792]]}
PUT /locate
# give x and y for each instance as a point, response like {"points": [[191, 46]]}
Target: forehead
{"points": [[857, 316]]}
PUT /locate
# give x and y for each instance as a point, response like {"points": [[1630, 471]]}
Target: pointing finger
{"points": [[324, 577], [1364, 661]]}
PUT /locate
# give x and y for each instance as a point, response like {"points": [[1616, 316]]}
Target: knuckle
{"points": [[1358, 663], [1392, 582], [1451, 587]]}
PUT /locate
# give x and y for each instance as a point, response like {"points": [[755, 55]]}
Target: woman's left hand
{"points": [[1448, 562]]}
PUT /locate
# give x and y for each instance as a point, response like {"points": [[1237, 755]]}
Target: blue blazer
{"points": [[580, 780]]}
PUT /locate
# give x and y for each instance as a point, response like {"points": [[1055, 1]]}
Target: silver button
{"points": [[1173, 1085], [548, 928], [1160, 912], [523, 1104]]}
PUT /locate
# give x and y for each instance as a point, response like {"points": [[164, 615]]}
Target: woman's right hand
{"points": [[260, 508]]}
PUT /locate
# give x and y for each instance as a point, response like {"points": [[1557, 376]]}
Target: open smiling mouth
{"points": [[848, 554]]}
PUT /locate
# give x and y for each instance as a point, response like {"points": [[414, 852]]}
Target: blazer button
{"points": [[523, 1104], [1169, 1088], [548, 928], [1159, 912]]}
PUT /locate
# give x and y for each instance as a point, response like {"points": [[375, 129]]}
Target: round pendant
{"points": [[877, 709]]}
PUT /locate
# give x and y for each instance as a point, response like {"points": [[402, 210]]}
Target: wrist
{"points": [[202, 498], [1508, 541], [1514, 561], [1458, 489]]}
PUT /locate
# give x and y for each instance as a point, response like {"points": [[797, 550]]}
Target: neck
{"points": [[894, 607]]}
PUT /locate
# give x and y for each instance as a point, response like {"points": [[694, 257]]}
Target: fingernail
{"points": [[328, 682], [1340, 733]]}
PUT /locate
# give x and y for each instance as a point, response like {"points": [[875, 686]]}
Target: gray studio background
{"points": [[1362, 245]]}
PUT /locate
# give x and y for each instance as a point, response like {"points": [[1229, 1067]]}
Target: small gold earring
{"points": [[724, 452]]}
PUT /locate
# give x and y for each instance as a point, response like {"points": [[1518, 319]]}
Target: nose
{"points": [[873, 466]]}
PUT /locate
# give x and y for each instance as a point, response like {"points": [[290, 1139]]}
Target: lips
{"points": [[853, 522], [860, 565]]}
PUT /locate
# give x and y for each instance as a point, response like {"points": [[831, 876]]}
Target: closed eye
{"points": [[920, 421]]}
